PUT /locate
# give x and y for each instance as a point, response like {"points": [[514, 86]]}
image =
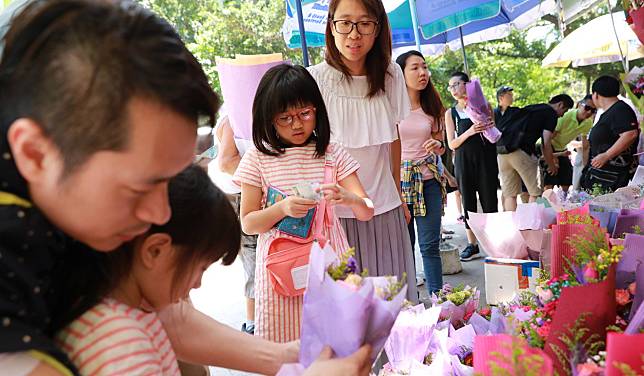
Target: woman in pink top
{"points": [[423, 188]]}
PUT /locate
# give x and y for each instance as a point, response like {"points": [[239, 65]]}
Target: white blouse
{"points": [[366, 127]]}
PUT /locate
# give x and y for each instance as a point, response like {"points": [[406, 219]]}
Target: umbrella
{"points": [[473, 21], [454, 26], [597, 42]]}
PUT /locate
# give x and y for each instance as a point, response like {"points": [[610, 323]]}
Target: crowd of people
{"points": [[106, 225]]}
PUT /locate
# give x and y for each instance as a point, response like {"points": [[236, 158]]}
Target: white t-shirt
{"points": [[366, 127]]}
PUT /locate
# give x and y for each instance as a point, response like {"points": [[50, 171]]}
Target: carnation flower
{"points": [[622, 297]]}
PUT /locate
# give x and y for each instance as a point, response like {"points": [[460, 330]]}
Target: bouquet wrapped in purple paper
{"points": [[457, 303], [448, 352], [345, 310], [410, 338], [479, 110]]}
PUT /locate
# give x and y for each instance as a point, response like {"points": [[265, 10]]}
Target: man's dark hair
{"points": [[606, 86], [74, 65], [564, 98], [461, 76], [281, 87]]}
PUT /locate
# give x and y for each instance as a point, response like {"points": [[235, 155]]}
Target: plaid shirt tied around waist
{"points": [[411, 178]]}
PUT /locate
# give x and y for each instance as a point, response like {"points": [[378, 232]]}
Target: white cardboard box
{"points": [[506, 278]]}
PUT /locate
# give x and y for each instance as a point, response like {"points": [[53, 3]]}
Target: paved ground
{"points": [[221, 292]]}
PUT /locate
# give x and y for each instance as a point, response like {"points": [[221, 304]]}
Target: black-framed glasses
{"points": [[454, 85], [363, 27], [590, 109]]}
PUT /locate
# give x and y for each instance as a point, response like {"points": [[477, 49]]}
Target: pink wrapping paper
{"points": [[582, 210], [497, 233], [561, 250], [485, 348], [624, 348], [598, 299], [478, 109], [534, 216]]}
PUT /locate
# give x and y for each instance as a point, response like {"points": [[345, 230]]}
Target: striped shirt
{"points": [[113, 338], [277, 317]]}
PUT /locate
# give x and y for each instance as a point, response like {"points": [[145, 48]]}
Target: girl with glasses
{"points": [[291, 135], [366, 96]]}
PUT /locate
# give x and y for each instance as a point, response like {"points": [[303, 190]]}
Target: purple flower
{"points": [[352, 265]]}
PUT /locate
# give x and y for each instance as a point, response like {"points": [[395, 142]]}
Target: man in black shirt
{"points": [[613, 139], [505, 98], [532, 122]]}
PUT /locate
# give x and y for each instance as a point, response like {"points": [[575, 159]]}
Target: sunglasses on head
{"points": [[590, 109]]}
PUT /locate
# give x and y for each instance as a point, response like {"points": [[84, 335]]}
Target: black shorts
{"points": [[564, 175]]}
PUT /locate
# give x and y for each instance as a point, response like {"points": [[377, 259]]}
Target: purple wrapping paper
{"points": [[382, 318], [478, 109], [410, 337], [238, 86], [344, 319], [626, 222], [332, 314], [637, 309], [497, 325], [632, 256], [605, 215]]}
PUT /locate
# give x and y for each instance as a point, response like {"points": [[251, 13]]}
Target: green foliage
{"points": [[217, 28], [224, 28]]}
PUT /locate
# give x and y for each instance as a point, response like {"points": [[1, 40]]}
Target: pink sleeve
{"points": [[345, 164], [248, 171]]}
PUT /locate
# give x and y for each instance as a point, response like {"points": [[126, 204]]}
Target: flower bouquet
{"points": [[457, 303], [449, 352], [635, 17], [345, 310], [409, 339], [479, 110], [582, 298], [569, 225], [634, 80]]}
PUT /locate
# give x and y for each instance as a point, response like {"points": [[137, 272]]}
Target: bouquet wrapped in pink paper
{"points": [[457, 303], [345, 310], [479, 110], [498, 234]]}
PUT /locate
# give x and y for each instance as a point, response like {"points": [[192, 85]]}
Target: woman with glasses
{"points": [[423, 187], [475, 162], [366, 97]]}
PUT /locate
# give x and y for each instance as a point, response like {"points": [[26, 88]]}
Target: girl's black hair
{"points": [[285, 86], [430, 100], [203, 227], [461, 75]]}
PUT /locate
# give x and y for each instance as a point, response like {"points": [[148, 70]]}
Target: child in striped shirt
{"points": [[291, 135], [122, 334]]}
